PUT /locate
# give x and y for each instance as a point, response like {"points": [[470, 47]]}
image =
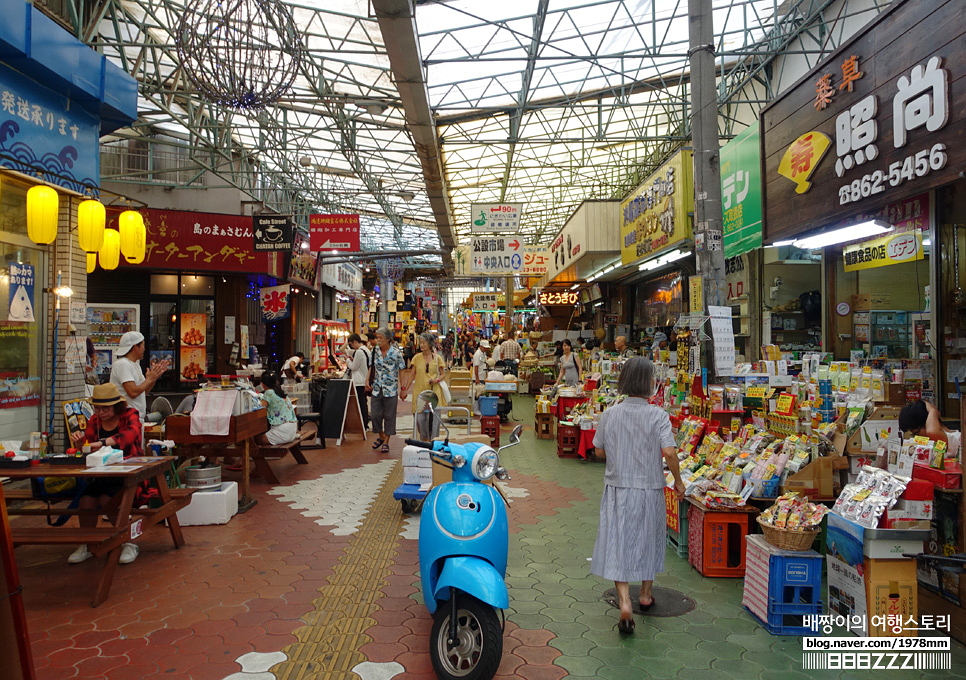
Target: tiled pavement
{"points": [[320, 580]]}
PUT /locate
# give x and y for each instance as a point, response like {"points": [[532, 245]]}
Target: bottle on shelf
{"points": [[43, 445]]}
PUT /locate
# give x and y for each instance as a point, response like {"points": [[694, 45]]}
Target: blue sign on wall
{"points": [[21, 292], [40, 131]]}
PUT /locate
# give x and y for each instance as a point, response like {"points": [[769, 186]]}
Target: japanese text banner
{"points": [[191, 241], [881, 252]]}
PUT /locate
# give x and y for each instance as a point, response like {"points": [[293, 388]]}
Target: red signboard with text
{"points": [[334, 232], [191, 241]]}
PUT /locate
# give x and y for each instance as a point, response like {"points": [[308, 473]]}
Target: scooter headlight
{"points": [[485, 463]]}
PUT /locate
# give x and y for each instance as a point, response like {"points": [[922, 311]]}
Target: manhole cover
{"points": [[667, 602]]}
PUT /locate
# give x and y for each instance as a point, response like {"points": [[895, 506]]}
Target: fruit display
{"points": [[193, 337]]}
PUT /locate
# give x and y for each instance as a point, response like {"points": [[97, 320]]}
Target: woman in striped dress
{"points": [[634, 436]]}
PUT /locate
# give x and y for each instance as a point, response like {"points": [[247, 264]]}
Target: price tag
{"points": [[756, 392], [137, 528], [785, 404], [921, 440], [862, 495]]}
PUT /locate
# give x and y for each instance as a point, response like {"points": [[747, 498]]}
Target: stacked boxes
{"points": [[417, 466], [827, 408], [782, 587]]}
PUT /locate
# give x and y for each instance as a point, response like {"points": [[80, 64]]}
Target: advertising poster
{"points": [[846, 573], [193, 329], [274, 301], [21, 292], [243, 340], [192, 363], [229, 330]]}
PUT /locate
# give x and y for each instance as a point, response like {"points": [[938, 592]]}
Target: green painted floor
{"points": [[551, 587]]}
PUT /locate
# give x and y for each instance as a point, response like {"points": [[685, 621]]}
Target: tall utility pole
{"points": [[708, 219]]}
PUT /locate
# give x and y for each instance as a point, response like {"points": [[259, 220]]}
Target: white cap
{"points": [[128, 341], [485, 343]]}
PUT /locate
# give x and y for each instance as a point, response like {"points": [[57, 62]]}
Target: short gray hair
{"points": [[637, 378], [384, 332]]}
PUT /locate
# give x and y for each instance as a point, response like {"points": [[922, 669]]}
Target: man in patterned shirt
{"points": [[510, 352], [387, 361]]}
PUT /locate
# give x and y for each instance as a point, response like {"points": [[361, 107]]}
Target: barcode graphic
{"points": [[920, 661]]}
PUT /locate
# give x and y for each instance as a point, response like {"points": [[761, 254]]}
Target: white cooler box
{"points": [[211, 507]]}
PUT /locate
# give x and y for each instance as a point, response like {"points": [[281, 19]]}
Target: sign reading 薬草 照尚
{"points": [[880, 120]]}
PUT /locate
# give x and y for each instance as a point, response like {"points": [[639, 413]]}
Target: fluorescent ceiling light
{"points": [[779, 244], [667, 258], [575, 286], [844, 235], [594, 277], [927, 242]]}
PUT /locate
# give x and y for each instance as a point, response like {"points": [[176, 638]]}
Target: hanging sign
{"points": [[21, 287], [495, 218], [272, 232], [741, 192], [552, 298], [274, 301], [875, 122], [696, 291], [334, 232], [497, 255], [485, 302], [882, 252], [656, 215]]}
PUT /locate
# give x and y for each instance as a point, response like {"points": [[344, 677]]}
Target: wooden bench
{"points": [[26, 495], [260, 454]]}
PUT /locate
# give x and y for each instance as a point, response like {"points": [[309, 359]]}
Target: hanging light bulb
{"points": [[42, 209], [90, 225], [92, 260], [133, 236], [109, 254]]}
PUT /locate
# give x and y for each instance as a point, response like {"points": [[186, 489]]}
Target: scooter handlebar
{"points": [[422, 445]]}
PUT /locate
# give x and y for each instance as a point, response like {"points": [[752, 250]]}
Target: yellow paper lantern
{"points": [[42, 209], [110, 252], [90, 225], [92, 260], [133, 236]]}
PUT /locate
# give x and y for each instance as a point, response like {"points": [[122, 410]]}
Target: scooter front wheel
{"points": [[479, 641]]}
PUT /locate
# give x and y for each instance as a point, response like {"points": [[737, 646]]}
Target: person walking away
{"points": [[633, 436], [570, 369], [115, 424], [510, 352], [126, 373], [429, 370], [359, 373], [387, 362], [282, 423], [447, 346], [292, 368]]}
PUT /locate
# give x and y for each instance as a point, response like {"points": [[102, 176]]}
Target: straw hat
{"points": [[106, 395]]}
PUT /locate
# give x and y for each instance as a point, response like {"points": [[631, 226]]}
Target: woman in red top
{"points": [[115, 425]]}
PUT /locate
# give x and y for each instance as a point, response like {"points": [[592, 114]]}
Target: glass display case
{"points": [[884, 333], [106, 324]]}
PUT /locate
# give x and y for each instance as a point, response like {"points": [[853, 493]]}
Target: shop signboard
{"points": [[21, 290], [495, 218], [884, 251], [496, 255], [342, 276], [272, 232], [535, 262], [334, 232], [43, 129], [275, 302], [193, 241], [877, 121], [696, 294], [741, 192], [556, 298], [656, 214]]}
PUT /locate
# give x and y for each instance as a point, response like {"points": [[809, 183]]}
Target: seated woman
{"points": [[281, 413], [115, 425]]}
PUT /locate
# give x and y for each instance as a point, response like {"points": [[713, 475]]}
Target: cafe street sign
{"points": [[880, 120]]}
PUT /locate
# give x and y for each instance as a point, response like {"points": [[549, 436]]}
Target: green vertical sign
{"points": [[741, 192]]}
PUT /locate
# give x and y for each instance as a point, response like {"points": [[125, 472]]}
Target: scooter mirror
{"points": [[515, 435], [426, 401]]}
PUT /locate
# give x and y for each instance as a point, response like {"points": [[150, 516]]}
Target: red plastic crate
{"points": [[716, 542], [490, 426], [566, 404], [568, 440]]}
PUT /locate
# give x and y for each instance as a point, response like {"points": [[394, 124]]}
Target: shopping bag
{"points": [[444, 388]]}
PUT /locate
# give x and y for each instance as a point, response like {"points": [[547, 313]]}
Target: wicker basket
{"points": [[789, 539]]}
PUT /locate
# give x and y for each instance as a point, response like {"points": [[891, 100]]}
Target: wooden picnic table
{"points": [[129, 523]]}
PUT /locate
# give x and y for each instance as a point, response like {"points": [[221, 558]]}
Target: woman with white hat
{"points": [[127, 375]]}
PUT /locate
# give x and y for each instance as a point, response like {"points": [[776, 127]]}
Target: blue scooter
{"points": [[463, 544]]}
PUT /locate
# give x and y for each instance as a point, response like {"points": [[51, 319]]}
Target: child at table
{"points": [[116, 425]]}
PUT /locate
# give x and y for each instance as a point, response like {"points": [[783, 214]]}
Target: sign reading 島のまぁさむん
{"points": [[656, 215], [876, 122]]}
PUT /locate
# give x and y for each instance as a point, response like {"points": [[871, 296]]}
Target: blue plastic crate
{"points": [[783, 622], [488, 406], [795, 581]]}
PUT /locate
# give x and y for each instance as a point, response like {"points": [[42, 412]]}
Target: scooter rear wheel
{"points": [[479, 648]]}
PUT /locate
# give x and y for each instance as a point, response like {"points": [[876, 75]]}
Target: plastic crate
{"points": [[490, 426], [568, 440], [716, 542], [488, 406], [677, 523], [788, 620]]}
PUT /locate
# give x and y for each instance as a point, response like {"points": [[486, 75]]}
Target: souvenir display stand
{"points": [[328, 339]]}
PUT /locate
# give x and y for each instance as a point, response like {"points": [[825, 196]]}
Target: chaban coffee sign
{"points": [[878, 121]]}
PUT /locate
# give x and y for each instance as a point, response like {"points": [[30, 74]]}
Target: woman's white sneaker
{"points": [[129, 553], [79, 555]]}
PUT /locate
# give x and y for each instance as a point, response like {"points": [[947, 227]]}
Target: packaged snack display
{"points": [[793, 512], [873, 492]]}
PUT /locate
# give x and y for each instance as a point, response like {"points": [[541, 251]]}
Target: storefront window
{"points": [[22, 280], [659, 301]]}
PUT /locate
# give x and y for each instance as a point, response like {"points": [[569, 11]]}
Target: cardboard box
{"points": [[865, 302], [417, 475], [891, 591], [817, 479], [912, 509], [217, 506], [413, 456], [950, 478], [443, 474], [892, 549]]}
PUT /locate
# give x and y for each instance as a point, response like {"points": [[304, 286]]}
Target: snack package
{"points": [[871, 510], [938, 460]]}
